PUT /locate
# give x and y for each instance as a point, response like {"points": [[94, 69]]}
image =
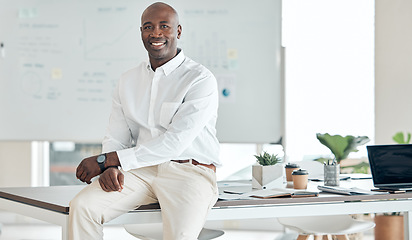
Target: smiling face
{"points": [[160, 30]]}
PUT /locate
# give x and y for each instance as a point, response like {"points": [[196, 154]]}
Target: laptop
{"points": [[391, 166]]}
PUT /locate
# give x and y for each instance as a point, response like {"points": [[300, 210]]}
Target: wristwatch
{"points": [[101, 160]]}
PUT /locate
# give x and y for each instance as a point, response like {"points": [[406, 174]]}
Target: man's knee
{"points": [[83, 206], [78, 204]]}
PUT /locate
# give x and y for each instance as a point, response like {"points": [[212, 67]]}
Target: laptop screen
{"points": [[391, 165]]}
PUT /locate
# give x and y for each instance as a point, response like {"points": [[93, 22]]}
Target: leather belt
{"points": [[194, 162]]}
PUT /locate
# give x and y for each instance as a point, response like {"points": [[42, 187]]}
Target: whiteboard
{"points": [[62, 59]]}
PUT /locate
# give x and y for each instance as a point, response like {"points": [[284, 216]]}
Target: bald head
{"points": [[160, 7]]}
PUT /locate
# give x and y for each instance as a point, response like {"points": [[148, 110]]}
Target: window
{"points": [[329, 72]]}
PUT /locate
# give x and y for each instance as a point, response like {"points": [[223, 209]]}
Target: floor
{"points": [[111, 233], [18, 227], [50, 232]]}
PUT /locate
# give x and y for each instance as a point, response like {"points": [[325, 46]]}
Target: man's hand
{"points": [[112, 179], [88, 169]]}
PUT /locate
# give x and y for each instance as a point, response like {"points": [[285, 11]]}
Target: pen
{"points": [[3, 53]]}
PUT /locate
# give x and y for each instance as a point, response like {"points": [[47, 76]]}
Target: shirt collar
{"points": [[171, 65]]}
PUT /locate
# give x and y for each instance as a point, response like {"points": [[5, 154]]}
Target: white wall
{"points": [[16, 164], [393, 69]]}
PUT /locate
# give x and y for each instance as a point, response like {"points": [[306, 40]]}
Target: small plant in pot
{"points": [[267, 173], [266, 159]]}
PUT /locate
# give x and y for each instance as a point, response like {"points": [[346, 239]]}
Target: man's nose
{"points": [[157, 32]]}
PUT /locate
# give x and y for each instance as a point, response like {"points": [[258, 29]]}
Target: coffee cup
{"points": [[289, 168], [300, 179]]}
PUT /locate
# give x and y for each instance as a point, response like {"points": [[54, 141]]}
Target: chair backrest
{"points": [[335, 224], [154, 231]]}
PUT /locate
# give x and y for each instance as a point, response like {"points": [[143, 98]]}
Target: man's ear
{"points": [[179, 31]]}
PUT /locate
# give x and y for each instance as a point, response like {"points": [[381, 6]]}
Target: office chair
{"points": [[154, 231], [323, 226]]}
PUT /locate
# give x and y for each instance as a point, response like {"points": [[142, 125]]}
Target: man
{"points": [[160, 144]]}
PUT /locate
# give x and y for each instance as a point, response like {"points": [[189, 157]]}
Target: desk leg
{"points": [[407, 222], [65, 228]]}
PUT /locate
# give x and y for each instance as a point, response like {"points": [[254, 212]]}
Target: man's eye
{"points": [[164, 26], [147, 27]]}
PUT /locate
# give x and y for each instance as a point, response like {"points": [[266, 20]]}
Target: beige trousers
{"points": [[184, 191]]}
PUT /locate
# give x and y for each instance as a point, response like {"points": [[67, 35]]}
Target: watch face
{"points": [[101, 158]]}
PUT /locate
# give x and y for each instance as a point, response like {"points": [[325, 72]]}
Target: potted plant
{"points": [[267, 173], [341, 147], [390, 225]]}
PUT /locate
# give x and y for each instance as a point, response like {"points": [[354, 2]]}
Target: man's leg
{"points": [[92, 206], [186, 193]]}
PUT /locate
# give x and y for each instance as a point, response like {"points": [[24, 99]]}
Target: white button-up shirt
{"points": [[163, 115]]}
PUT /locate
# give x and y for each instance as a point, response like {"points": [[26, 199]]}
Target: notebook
{"points": [[391, 166]]}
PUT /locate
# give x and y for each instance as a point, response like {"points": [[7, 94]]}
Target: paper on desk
{"points": [[320, 178], [231, 184], [342, 177], [237, 190], [229, 196], [358, 176]]}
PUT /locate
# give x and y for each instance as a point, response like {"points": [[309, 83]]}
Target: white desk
{"points": [[51, 204]]}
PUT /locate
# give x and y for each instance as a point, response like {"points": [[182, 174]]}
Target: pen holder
{"points": [[331, 174]]}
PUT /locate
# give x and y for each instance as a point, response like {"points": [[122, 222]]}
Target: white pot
{"points": [[267, 177]]}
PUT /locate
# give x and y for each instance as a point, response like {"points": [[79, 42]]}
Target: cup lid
{"points": [[292, 165], [300, 172]]}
